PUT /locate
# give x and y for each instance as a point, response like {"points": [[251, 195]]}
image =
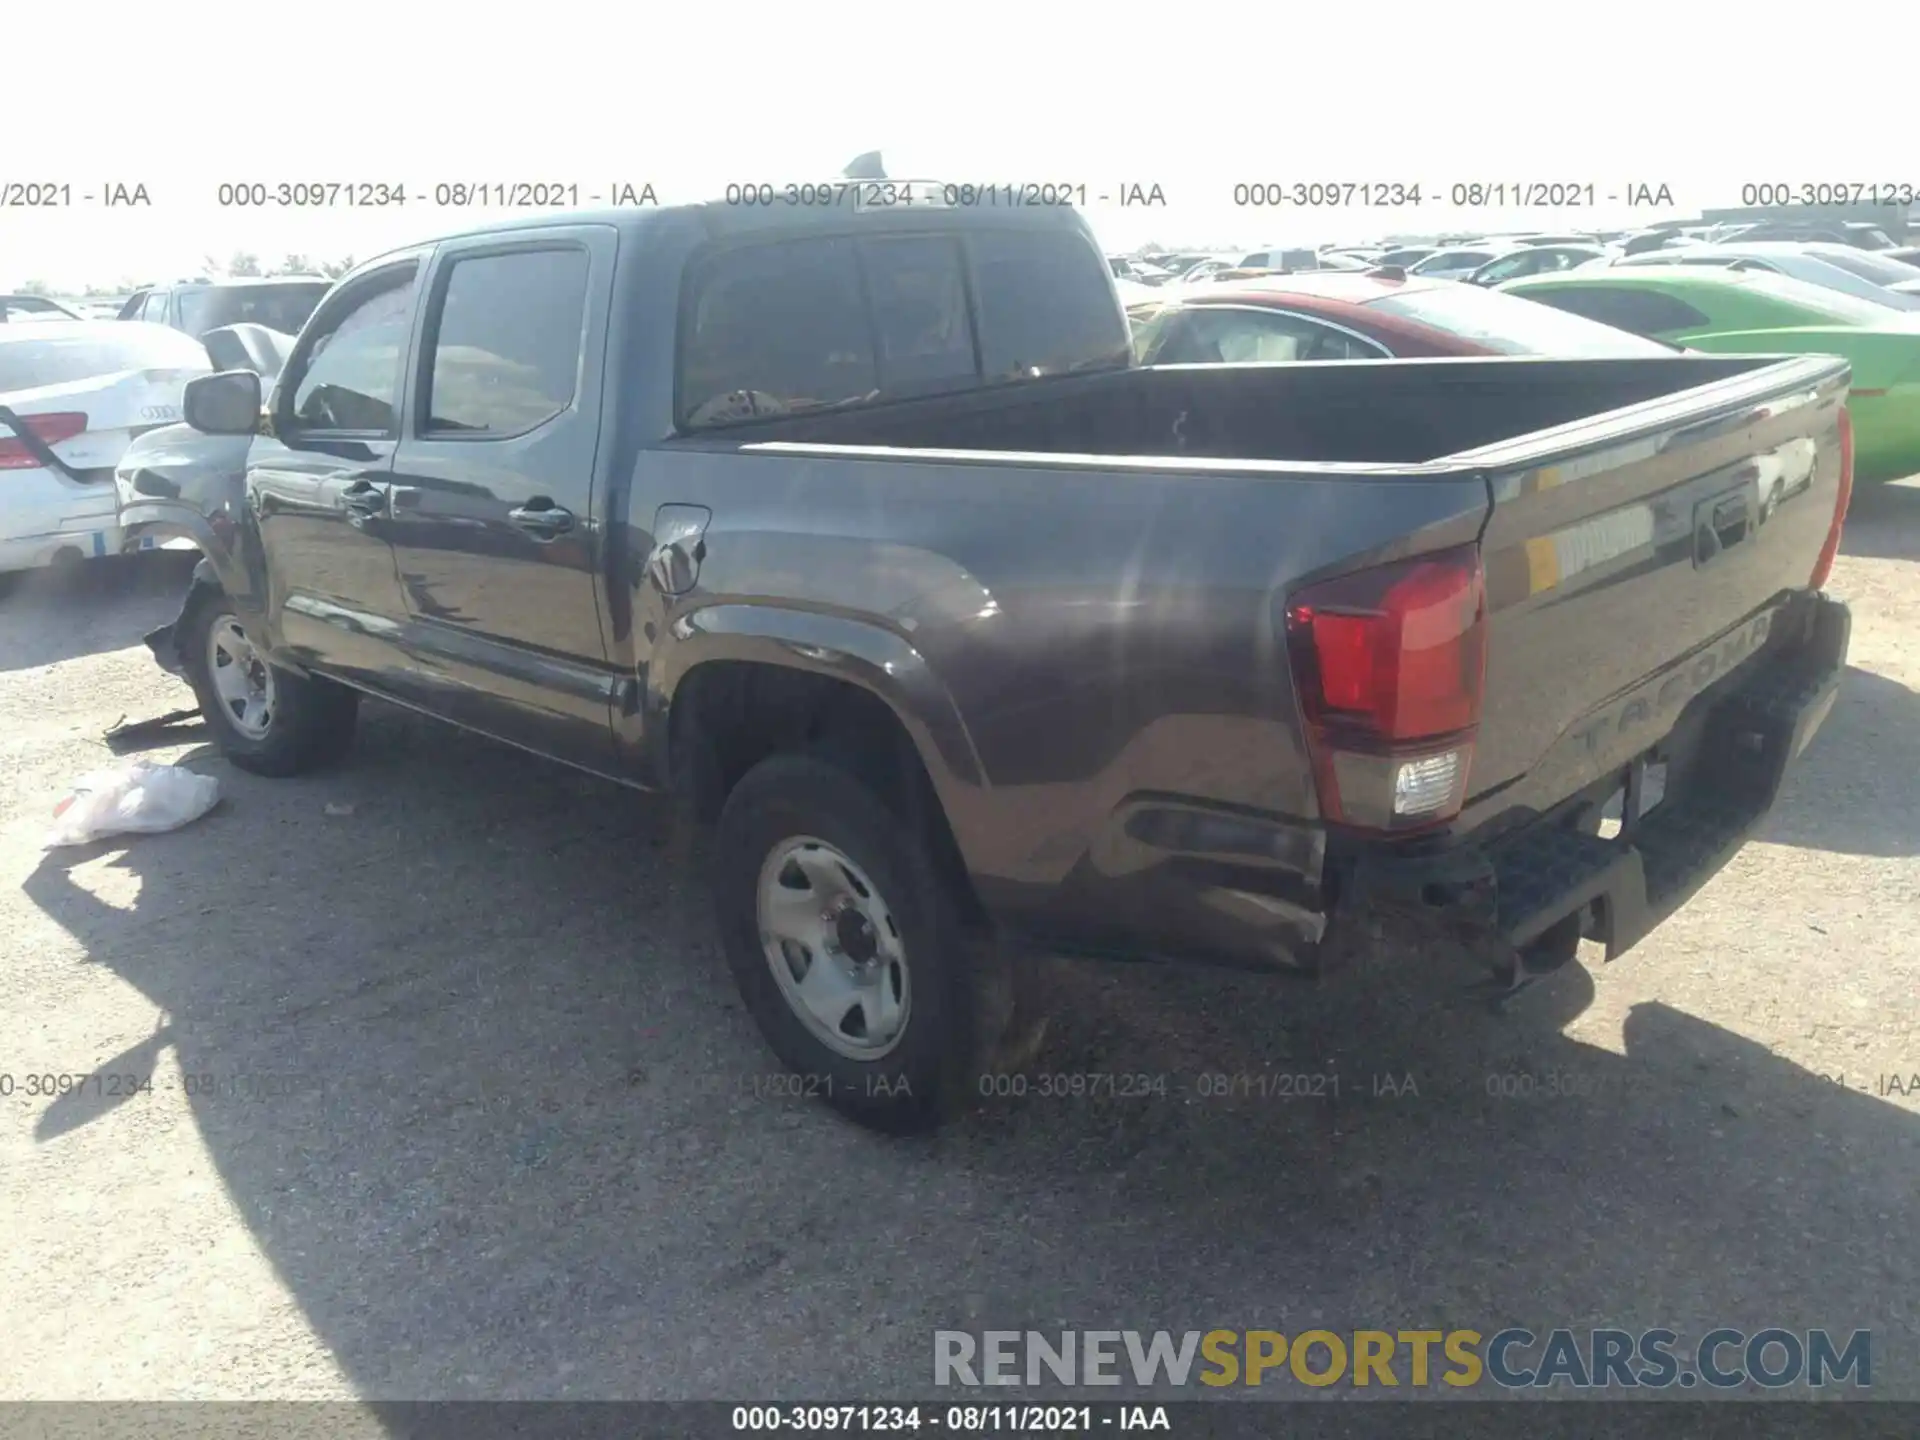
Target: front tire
{"points": [[264, 719], [847, 943]]}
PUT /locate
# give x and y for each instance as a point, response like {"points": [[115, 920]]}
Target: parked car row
{"points": [[1729, 311], [279, 302], [1624, 306], [77, 392], [17, 308], [74, 394]]}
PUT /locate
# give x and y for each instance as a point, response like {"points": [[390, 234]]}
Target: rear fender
{"points": [[839, 647]]}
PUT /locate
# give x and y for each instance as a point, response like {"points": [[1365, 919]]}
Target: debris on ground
{"points": [[133, 797]]}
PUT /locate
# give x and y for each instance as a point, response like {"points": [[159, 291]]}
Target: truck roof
{"points": [[721, 220]]}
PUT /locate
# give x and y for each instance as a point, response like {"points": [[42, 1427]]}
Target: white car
{"points": [[73, 395]]}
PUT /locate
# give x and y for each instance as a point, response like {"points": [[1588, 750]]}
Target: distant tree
{"points": [[334, 269], [295, 265], [211, 266], [243, 263], [36, 287]]}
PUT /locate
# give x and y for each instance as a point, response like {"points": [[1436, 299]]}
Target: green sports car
{"points": [[1740, 312]]}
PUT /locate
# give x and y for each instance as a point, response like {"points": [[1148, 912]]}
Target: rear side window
{"points": [[918, 291], [1045, 307], [506, 349], [776, 329], [1642, 312], [795, 325]]}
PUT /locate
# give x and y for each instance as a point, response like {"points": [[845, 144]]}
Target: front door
{"points": [[319, 487], [495, 529]]}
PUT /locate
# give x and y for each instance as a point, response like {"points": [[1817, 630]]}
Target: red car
{"points": [[1332, 315]]}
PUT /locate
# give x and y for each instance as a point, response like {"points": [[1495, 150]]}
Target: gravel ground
{"points": [[450, 1096]]}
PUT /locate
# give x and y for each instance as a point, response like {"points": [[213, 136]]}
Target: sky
{"points": [[596, 95]]}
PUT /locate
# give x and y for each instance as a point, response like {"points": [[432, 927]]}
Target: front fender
{"points": [[841, 647], [176, 482], [219, 542]]}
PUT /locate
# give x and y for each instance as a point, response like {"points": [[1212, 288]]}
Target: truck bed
{"points": [[1156, 519], [1388, 412]]}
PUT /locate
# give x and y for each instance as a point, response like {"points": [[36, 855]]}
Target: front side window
{"points": [[155, 310], [506, 350], [351, 376]]}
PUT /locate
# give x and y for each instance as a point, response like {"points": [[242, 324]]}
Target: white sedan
{"points": [[73, 395]]}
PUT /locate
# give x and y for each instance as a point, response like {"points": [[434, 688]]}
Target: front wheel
{"points": [[849, 949], [264, 719]]}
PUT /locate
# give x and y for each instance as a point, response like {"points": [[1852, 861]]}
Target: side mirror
{"points": [[224, 404]]}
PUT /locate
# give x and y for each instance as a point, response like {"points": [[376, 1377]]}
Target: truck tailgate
{"points": [[1636, 559]]}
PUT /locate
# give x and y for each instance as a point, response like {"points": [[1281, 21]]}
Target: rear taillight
{"points": [[48, 429], [1390, 664], [1824, 566]]}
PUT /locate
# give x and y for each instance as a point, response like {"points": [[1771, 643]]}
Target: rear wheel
{"points": [[264, 719], [847, 942]]}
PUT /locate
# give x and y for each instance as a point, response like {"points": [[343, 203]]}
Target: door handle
{"points": [[542, 519]]}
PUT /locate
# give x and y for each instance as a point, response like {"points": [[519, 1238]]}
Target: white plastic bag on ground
{"points": [[135, 796]]}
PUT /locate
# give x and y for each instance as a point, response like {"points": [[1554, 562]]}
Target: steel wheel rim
{"points": [[242, 681], [834, 948]]}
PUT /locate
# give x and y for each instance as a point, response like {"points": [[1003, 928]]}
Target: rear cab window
{"points": [[786, 326]]}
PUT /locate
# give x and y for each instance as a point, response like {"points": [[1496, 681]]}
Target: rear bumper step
{"points": [[1532, 895]]}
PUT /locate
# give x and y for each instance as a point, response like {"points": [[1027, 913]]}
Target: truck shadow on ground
{"points": [[1856, 790], [1883, 523], [479, 1087], [62, 613]]}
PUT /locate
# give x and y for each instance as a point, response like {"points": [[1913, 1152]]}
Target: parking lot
{"points": [[451, 1096]]}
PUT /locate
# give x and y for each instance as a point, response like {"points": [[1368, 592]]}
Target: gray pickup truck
{"points": [[969, 641]]}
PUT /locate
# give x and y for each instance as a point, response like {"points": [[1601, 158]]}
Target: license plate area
{"points": [[1641, 791]]}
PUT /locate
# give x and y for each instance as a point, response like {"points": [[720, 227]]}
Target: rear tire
{"points": [[264, 719], [812, 869]]}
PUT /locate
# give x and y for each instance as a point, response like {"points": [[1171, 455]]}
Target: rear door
{"points": [[495, 519], [318, 488]]}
